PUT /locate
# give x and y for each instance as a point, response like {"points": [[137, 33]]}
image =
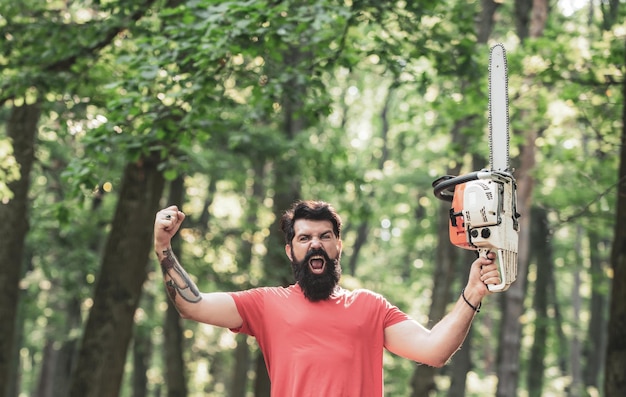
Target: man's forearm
{"points": [[177, 281], [454, 327]]}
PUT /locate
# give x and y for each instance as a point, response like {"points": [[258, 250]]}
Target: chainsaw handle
{"points": [[503, 286], [444, 185]]}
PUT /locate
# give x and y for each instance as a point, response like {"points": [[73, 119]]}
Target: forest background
{"points": [[112, 109]]}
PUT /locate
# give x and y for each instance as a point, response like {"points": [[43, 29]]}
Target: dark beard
{"points": [[316, 287]]}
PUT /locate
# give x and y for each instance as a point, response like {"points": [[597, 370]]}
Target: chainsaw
{"points": [[483, 216]]}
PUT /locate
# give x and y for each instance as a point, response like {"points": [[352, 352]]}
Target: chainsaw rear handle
{"points": [[503, 286]]}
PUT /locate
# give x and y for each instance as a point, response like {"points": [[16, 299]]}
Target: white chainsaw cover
{"points": [[490, 219]]}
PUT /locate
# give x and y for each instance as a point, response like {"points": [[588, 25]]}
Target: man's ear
{"points": [[288, 251]]}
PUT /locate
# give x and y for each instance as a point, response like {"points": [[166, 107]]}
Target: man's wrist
{"points": [[160, 249], [472, 297]]}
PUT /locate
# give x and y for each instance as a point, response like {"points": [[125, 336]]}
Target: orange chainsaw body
{"points": [[483, 217], [458, 233]]}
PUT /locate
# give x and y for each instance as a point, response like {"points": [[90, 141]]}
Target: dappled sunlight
{"points": [[481, 385]]}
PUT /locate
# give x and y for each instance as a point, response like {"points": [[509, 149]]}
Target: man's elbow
{"points": [[440, 363], [184, 313], [436, 361]]}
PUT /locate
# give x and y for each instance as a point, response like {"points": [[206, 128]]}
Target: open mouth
{"points": [[317, 264]]}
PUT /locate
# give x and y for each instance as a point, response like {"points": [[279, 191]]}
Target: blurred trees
{"points": [[616, 348], [232, 110]]}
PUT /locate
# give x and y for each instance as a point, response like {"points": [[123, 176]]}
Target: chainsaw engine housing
{"points": [[484, 217]]}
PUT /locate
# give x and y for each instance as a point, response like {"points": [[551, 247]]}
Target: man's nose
{"points": [[316, 242]]}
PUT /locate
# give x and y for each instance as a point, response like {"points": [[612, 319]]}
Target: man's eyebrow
{"points": [[307, 234]]}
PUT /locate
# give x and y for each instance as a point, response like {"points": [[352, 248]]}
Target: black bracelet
{"points": [[474, 308]]}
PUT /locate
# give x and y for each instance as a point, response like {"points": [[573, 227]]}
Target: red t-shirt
{"points": [[327, 348]]}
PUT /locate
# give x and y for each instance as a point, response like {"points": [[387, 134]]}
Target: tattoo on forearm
{"points": [[177, 281]]}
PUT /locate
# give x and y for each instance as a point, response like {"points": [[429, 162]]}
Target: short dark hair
{"points": [[312, 210]]}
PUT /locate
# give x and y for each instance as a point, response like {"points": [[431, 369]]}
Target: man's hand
{"points": [[484, 271], [489, 273], [166, 224]]}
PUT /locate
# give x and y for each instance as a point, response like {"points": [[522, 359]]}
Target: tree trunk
{"points": [[142, 349], [276, 265], [69, 349], [595, 342], [486, 21], [522, 10], [63, 335], [423, 382], [510, 332], [48, 361], [615, 378], [242, 365], [58, 358], [511, 329], [174, 364], [610, 13], [22, 130], [561, 337], [575, 387], [462, 361], [362, 232], [462, 364], [262, 384], [542, 253], [239, 382], [287, 188], [108, 331]]}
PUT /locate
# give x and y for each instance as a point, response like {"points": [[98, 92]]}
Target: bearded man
{"points": [[317, 338]]}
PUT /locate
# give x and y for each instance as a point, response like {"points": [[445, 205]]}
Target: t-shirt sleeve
{"points": [[393, 315], [250, 306]]}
